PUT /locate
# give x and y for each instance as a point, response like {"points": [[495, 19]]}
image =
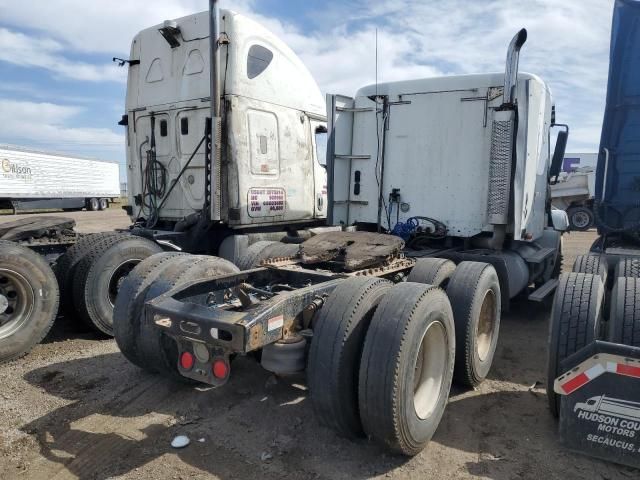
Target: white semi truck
{"points": [[33, 179], [574, 189], [226, 169]]}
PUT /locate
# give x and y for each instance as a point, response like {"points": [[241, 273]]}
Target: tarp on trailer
{"points": [[620, 204]]}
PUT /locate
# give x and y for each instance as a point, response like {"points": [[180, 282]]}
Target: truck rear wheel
{"points": [[265, 249], [103, 204], [407, 367], [93, 205], [474, 292], [591, 263], [100, 273], [130, 302], [575, 322], [65, 267], [624, 320], [28, 300], [334, 357], [628, 267], [580, 218], [432, 271], [157, 351]]}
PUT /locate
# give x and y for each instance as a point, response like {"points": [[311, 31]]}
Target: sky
{"points": [[60, 91]]}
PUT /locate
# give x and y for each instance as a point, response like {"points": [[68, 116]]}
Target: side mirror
{"points": [[558, 152]]}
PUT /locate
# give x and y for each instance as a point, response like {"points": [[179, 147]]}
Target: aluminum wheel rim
{"points": [[431, 366], [486, 325], [117, 277], [580, 219], [20, 299]]}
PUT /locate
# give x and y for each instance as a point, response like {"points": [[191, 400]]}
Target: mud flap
{"points": [[600, 403]]}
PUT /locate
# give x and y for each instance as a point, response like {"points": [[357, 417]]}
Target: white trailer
{"points": [[33, 179]]}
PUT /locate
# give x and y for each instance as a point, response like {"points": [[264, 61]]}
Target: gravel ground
{"points": [[75, 408]]}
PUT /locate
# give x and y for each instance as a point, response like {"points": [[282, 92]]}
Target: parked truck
{"points": [[573, 191], [33, 179], [593, 382], [356, 265]]}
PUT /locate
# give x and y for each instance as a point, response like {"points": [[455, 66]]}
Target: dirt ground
{"points": [[75, 408]]}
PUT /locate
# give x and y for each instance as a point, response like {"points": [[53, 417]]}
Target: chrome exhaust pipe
{"points": [[511, 69]]}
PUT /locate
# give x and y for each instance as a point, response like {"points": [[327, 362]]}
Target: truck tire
{"points": [[262, 250], [432, 271], [157, 351], [407, 367], [624, 320], [628, 267], [334, 356], [93, 205], [474, 293], [130, 302], [591, 263], [575, 322], [580, 218], [65, 267], [103, 204], [250, 258], [100, 273], [28, 300]]}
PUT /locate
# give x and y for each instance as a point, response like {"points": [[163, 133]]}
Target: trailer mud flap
{"points": [[600, 404]]}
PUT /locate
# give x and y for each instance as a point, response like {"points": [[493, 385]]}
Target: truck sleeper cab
{"points": [[271, 109]]}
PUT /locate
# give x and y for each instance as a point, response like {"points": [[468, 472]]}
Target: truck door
{"points": [[319, 145]]}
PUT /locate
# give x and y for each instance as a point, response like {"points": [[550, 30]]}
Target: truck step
{"points": [[540, 255], [544, 291]]}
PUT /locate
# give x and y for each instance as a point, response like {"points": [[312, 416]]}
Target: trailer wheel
{"points": [[130, 302], [624, 320], [407, 367], [100, 273], [574, 323], [65, 267], [595, 264], [628, 267], [336, 348], [93, 205], [28, 300], [103, 204], [432, 271], [580, 218], [474, 292], [157, 351], [259, 251]]}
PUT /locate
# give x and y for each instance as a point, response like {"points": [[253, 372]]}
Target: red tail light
{"points": [[187, 360], [220, 369]]}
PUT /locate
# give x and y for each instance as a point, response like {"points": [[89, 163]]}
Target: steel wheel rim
{"points": [[580, 219], [486, 325], [117, 277], [431, 366], [20, 300]]}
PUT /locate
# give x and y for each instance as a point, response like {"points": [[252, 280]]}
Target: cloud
{"points": [[567, 45], [41, 52], [46, 124]]}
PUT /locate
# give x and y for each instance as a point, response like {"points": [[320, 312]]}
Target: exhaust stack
{"points": [[214, 177], [511, 69]]}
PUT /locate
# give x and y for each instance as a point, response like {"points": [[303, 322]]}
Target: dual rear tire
{"points": [[383, 356], [137, 337]]}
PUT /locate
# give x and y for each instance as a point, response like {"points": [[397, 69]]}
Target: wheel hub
{"points": [[580, 219], [430, 370], [118, 276], [486, 325], [16, 301], [4, 303]]}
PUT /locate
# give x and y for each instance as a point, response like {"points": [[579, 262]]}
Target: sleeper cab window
{"points": [[258, 60]]}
